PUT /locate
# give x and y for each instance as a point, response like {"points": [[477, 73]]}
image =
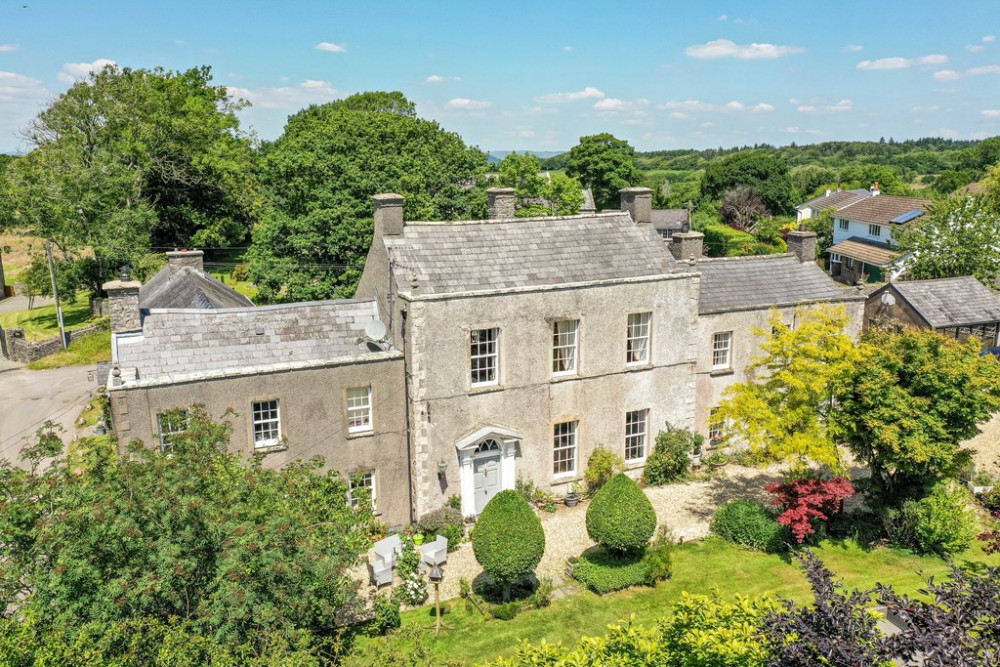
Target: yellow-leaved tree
{"points": [[782, 408]]}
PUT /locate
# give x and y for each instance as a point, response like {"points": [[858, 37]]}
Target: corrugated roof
{"points": [[836, 200], [484, 255], [188, 288], [949, 302], [870, 252], [741, 283], [183, 341], [883, 208]]}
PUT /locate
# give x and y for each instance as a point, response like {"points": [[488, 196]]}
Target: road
{"points": [[28, 398]]}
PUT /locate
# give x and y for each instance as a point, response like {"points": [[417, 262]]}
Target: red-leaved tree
{"points": [[806, 499]]}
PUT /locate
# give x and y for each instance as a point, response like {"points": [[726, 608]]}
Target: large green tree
{"points": [[194, 539], [605, 165], [905, 412], [538, 194], [320, 175], [755, 168], [130, 157], [957, 237]]}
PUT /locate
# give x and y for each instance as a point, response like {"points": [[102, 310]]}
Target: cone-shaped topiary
{"points": [[508, 539], [620, 516]]}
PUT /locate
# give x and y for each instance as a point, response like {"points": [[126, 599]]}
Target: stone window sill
{"points": [[485, 389], [721, 371], [637, 367], [361, 434], [271, 449]]}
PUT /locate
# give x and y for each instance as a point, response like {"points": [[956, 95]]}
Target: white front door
{"points": [[487, 480]]}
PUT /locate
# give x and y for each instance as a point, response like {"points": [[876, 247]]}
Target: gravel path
{"points": [[686, 508], [986, 447]]}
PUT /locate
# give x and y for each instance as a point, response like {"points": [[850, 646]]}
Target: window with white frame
{"points": [[564, 346], [170, 424], [722, 343], [564, 448], [266, 423], [714, 429], [874, 230], [361, 487], [359, 409], [843, 224], [483, 353], [635, 434], [637, 338]]}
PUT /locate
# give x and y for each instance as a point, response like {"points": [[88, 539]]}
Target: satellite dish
{"points": [[375, 330], [887, 299]]}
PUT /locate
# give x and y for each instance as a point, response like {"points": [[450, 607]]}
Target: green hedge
{"points": [[724, 241], [620, 516], [508, 539], [604, 571], [943, 522], [751, 524], [447, 522]]}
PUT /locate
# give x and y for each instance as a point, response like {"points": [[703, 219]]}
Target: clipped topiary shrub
{"points": [[604, 571], [749, 523], [620, 517], [447, 522], [508, 539]]}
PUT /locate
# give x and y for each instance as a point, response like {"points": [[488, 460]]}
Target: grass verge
{"points": [[699, 567], [88, 350], [41, 322]]}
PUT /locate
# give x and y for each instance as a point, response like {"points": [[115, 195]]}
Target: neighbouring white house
{"points": [[835, 199]]}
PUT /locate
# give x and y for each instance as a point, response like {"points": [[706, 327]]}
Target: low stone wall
{"points": [[23, 351]]}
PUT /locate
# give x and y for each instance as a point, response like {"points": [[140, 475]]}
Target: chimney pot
{"points": [[388, 214], [687, 245], [639, 203], [123, 301], [178, 259], [503, 203]]}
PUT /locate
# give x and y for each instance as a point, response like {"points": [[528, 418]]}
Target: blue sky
{"points": [[538, 75]]}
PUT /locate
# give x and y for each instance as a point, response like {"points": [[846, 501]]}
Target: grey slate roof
{"points": [[672, 219], [883, 208], [188, 288], [836, 200], [949, 302], [485, 255], [743, 283], [185, 341]]}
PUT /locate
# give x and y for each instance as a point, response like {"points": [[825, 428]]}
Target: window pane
{"points": [[714, 430], [564, 448], [483, 356], [359, 409], [635, 434], [564, 346], [266, 423], [721, 343], [637, 342], [362, 486], [170, 426]]}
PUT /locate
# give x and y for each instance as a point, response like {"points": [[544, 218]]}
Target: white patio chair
{"points": [[436, 552]]}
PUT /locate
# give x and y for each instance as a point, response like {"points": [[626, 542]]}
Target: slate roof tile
{"points": [[949, 302]]}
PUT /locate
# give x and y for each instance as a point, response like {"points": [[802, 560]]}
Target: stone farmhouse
{"points": [[508, 348]]}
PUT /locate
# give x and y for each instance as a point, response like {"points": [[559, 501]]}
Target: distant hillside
{"points": [[497, 156]]}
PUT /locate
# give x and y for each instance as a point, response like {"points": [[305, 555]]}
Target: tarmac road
{"points": [[28, 398]]}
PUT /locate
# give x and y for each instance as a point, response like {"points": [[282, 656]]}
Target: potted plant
{"points": [[572, 496], [696, 454], [718, 459], [418, 539]]}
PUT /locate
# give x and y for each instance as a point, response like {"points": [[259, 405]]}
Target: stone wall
{"points": [[22, 350]]}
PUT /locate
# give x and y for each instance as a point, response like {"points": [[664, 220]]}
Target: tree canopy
{"points": [[320, 175], [957, 237], [605, 165], [131, 157], [756, 169], [537, 194], [192, 540]]}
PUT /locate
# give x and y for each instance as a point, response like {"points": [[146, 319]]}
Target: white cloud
{"points": [[795, 129], [706, 125], [854, 48], [611, 104], [815, 106], [990, 113], [567, 49], [308, 92], [434, 78], [948, 133], [679, 115], [524, 132], [17, 88], [73, 72], [6, 48], [724, 17], [466, 104], [902, 63], [927, 109], [330, 47], [686, 105], [724, 48], [842, 105], [560, 98], [975, 48], [990, 38], [952, 75], [695, 105]]}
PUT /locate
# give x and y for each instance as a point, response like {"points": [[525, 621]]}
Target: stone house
{"points": [[955, 307], [301, 380]]}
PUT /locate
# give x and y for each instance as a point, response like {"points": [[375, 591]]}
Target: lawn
{"points": [[88, 350], [247, 289], [41, 322], [699, 567]]}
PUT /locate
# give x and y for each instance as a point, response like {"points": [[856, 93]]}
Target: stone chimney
{"points": [[503, 203], [639, 203], [802, 244], [874, 189], [123, 301], [687, 245], [388, 214], [178, 259]]}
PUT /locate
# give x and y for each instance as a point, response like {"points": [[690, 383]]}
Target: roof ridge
{"points": [[746, 257], [270, 307], [488, 221]]}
